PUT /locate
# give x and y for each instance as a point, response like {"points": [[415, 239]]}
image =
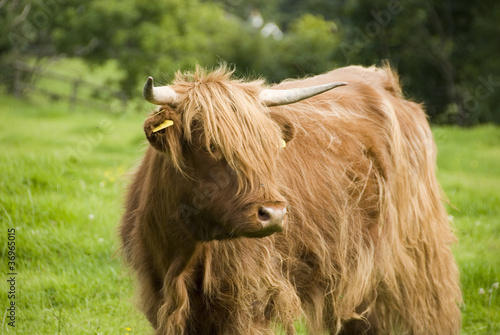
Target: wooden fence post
{"points": [[74, 94], [17, 82]]}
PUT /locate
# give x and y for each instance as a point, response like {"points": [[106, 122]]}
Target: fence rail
{"points": [[101, 96]]}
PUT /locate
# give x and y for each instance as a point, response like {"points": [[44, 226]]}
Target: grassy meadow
{"points": [[62, 179]]}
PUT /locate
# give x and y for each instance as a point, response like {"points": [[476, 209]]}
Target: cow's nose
{"points": [[271, 215]]}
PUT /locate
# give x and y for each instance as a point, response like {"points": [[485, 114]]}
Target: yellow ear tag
{"points": [[163, 125], [283, 143]]}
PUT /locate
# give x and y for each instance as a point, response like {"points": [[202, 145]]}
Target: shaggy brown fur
{"points": [[366, 244]]}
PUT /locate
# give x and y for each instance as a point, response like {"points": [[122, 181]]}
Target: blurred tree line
{"points": [[446, 52]]}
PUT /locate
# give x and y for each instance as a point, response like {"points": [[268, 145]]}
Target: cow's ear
{"points": [[286, 125], [163, 130]]}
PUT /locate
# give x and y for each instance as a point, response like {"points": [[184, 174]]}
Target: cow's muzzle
{"points": [[270, 217]]}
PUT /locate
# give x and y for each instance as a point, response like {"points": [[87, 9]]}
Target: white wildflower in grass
{"points": [[481, 291], [100, 240], [495, 285], [91, 216]]}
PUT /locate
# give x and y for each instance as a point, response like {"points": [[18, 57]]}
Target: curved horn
{"points": [[272, 97], [162, 95]]}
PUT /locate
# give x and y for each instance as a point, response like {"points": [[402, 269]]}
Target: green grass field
{"points": [[63, 176]]}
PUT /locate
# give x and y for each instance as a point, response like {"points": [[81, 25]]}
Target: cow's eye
{"points": [[211, 149]]}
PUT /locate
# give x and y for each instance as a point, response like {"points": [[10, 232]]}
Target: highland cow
{"points": [[257, 207]]}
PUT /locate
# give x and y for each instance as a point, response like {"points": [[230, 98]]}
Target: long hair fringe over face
{"points": [[226, 118]]}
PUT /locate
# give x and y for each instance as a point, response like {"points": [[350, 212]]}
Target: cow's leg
{"points": [[150, 297]]}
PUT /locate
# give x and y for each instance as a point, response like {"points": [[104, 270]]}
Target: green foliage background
{"points": [[445, 51]]}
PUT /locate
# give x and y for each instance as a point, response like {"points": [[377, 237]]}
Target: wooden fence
{"points": [[29, 79]]}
